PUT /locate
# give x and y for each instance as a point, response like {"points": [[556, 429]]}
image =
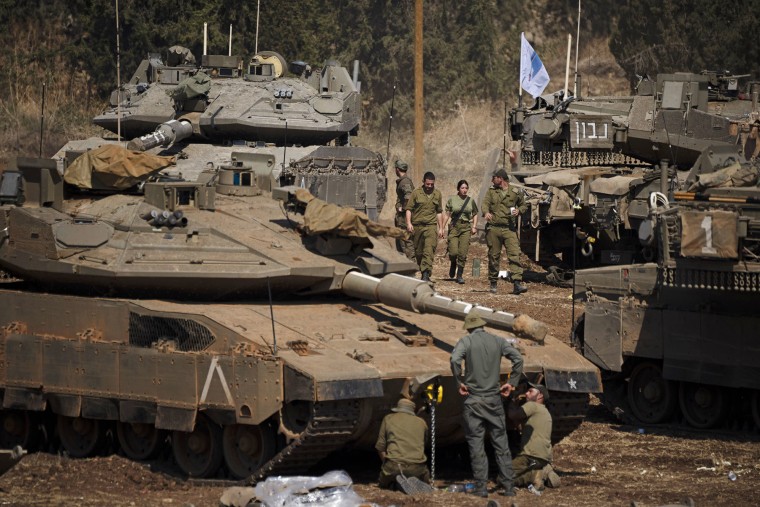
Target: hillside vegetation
{"points": [[471, 56]]}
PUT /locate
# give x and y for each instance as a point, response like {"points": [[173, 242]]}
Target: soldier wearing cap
{"points": [[501, 207], [404, 188], [424, 220], [483, 408], [532, 464], [401, 445]]}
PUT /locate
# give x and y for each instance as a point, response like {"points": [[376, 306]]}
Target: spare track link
{"points": [[568, 411], [331, 426]]}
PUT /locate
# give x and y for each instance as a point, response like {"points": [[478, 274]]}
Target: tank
{"points": [[261, 329], [296, 118], [674, 331], [593, 162]]}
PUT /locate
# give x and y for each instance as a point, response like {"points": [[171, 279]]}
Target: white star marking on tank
{"points": [[572, 383]]}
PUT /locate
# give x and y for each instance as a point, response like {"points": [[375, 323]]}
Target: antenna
{"points": [[256, 45], [229, 51], [42, 118], [118, 77], [577, 41], [205, 39]]}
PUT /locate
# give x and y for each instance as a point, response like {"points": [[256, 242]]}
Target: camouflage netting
{"points": [[112, 167], [321, 217], [191, 87]]}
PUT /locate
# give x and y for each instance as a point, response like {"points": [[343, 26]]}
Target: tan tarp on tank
{"points": [[113, 167], [321, 217], [709, 234], [734, 175]]}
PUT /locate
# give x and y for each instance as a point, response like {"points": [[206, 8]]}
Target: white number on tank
{"points": [[707, 226]]}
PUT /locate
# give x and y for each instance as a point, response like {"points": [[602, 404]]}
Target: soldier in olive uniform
{"points": [[501, 207], [424, 220], [463, 212], [404, 188], [532, 464], [483, 408], [401, 445]]}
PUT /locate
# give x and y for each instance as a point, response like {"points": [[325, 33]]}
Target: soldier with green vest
{"points": [[424, 220], [404, 188], [502, 206], [483, 408], [463, 213]]}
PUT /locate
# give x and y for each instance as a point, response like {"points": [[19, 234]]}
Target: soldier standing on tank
{"points": [[483, 408], [401, 445], [463, 212], [502, 206], [404, 188], [424, 220], [532, 464]]}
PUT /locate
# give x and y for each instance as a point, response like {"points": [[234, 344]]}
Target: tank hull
{"points": [[170, 365]]}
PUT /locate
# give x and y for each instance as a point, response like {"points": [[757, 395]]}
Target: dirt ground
{"points": [[601, 463]]}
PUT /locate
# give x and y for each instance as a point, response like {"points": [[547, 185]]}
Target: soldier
{"points": [[532, 464], [501, 207], [483, 408], [401, 445], [424, 219], [404, 188], [463, 212]]}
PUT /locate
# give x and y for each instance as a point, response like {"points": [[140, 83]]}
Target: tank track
{"points": [[331, 426], [568, 412]]}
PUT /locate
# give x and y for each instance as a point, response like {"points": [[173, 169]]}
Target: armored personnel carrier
{"points": [[593, 162], [258, 327], [674, 329]]}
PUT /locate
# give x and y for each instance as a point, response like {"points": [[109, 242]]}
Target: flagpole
{"points": [[577, 41], [567, 65]]}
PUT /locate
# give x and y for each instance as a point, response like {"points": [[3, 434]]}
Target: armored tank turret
{"points": [[594, 161], [261, 327], [298, 118]]}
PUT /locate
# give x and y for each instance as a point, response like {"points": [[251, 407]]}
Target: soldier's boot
{"points": [[453, 268], [479, 490], [493, 287], [460, 275], [519, 287], [551, 478], [426, 276]]}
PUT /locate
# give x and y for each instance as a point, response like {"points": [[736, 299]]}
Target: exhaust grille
{"points": [[186, 335]]}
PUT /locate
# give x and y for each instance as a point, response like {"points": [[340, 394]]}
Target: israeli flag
{"points": [[533, 75]]}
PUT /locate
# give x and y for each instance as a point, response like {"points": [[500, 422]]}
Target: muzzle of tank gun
{"points": [[165, 135]]}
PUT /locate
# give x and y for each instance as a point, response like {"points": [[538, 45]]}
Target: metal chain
{"points": [[432, 440]]}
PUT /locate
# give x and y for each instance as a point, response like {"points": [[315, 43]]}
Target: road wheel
{"points": [[247, 448], [199, 452], [139, 441], [18, 428], [703, 406], [81, 437], [652, 398]]}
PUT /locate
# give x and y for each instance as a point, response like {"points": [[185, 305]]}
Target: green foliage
{"points": [[653, 36]]}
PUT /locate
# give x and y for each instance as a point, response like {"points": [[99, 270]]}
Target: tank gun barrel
{"points": [[165, 134], [415, 295]]}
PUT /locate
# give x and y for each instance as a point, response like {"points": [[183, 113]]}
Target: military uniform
{"points": [[536, 447], [502, 229], [404, 188], [460, 232], [425, 209], [402, 438], [483, 408]]}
